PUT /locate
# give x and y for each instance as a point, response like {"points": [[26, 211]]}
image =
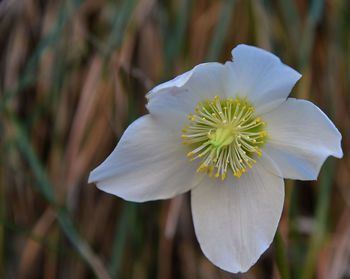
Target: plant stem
{"points": [[281, 256]]}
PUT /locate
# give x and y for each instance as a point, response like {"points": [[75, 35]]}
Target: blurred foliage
{"points": [[74, 74]]}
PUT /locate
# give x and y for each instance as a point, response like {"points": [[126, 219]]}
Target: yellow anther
{"points": [[263, 133], [258, 119], [213, 115], [259, 153], [250, 165], [184, 136], [190, 154], [223, 176], [184, 130], [238, 174], [217, 174], [197, 109], [186, 141], [187, 126]]}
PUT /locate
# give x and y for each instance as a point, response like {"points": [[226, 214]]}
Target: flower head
{"points": [[230, 135]]}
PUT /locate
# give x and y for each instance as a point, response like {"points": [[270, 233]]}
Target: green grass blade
{"points": [[45, 188], [318, 236], [291, 19], [281, 256], [121, 17], [122, 228], [221, 30], [175, 35], [306, 46]]}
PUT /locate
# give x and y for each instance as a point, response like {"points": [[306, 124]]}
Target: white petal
{"points": [[301, 138], [235, 220], [178, 81], [178, 97], [260, 76], [148, 163]]}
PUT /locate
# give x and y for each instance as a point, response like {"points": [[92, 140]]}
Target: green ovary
{"points": [[224, 135]]}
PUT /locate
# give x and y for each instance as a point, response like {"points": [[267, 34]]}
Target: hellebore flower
{"points": [[228, 133]]}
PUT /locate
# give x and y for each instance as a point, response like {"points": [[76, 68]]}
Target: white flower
{"points": [[229, 134]]}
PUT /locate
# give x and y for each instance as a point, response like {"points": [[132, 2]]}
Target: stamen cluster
{"points": [[224, 135]]}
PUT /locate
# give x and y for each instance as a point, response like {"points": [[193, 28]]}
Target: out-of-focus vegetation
{"points": [[74, 74]]}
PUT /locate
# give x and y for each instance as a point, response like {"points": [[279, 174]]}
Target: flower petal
{"points": [[301, 138], [148, 163], [260, 76], [180, 96], [235, 220]]}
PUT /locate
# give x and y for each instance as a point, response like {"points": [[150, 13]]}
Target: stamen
{"points": [[226, 134]]}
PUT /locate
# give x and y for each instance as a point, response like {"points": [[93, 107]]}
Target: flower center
{"points": [[224, 135]]}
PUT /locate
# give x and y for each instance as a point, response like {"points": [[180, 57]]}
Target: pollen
{"points": [[224, 136]]}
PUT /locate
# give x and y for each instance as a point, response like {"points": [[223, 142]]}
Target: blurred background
{"points": [[74, 74]]}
